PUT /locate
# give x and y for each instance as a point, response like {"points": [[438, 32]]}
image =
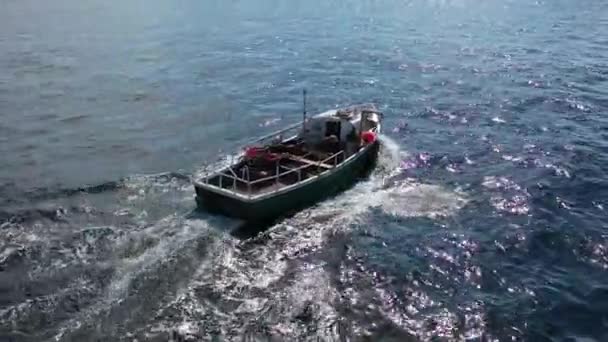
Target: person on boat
{"points": [[330, 143]]}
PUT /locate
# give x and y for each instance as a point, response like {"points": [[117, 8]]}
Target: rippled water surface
{"points": [[485, 219]]}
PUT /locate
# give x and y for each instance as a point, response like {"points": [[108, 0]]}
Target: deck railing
{"points": [[281, 170], [333, 159]]}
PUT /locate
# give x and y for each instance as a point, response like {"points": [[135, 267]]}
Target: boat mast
{"points": [[361, 122]]}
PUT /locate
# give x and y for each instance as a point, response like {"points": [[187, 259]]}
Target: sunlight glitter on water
{"points": [[241, 274], [485, 220]]}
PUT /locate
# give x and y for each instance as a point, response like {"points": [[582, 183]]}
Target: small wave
{"points": [[493, 182], [508, 196], [54, 205], [74, 118], [206, 275], [50, 193], [10, 254], [27, 215], [517, 204], [222, 162], [568, 104], [411, 199], [241, 276]]}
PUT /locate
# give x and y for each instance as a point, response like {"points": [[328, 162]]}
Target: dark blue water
{"points": [[485, 220]]}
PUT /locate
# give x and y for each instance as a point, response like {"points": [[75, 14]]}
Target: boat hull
{"points": [[285, 203]]}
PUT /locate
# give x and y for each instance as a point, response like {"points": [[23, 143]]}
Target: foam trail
{"points": [[173, 235], [241, 271], [390, 156], [404, 197]]}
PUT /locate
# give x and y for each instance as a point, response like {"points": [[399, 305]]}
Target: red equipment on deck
{"points": [[260, 152], [368, 137]]}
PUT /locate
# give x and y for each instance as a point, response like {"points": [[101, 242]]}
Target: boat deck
{"points": [[292, 163]]}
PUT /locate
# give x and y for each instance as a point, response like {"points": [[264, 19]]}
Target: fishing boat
{"points": [[298, 166]]}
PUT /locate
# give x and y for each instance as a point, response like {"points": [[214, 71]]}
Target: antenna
{"points": [[303, 108]]}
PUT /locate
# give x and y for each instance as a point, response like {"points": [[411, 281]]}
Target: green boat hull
{"points": [[286, 203]]}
